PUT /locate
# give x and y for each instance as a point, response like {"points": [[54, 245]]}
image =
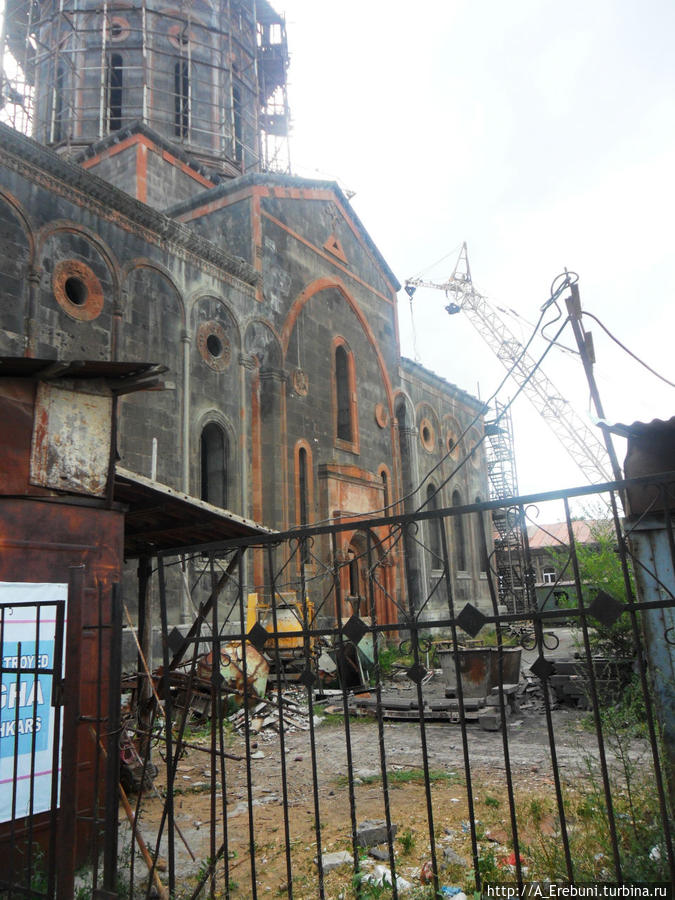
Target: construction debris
{"points": [[265, 715]]}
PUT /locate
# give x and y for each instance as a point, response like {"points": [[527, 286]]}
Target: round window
{"points": [[427, 435], [381, 415], [77, 290], [213, 345], [119, 29]]}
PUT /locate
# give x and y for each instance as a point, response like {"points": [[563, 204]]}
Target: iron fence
{"points": [[323, 704]]}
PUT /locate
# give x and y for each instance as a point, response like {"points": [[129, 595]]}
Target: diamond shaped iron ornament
{"points": [[258, 636], [605, 608], [307, 678], [354, 629], [416, 673], [471, 620], [175, 640], [542, 667]]}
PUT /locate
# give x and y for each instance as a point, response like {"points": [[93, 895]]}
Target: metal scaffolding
{"points": [[211, 79], [508, 522]]}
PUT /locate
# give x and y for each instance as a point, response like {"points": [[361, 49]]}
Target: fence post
{"points": [[655, 577]]}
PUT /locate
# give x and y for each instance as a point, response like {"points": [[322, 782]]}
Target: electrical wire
{"points": [[623, 347], [438, 262]]}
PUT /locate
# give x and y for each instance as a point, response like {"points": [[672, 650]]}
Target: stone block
{"points": [[330, 861], [490, 719], [370, 833]]}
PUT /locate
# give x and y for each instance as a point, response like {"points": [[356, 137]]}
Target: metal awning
{"points": [[160, 518], [121, 377]]}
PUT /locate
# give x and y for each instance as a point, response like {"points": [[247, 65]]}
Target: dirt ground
{"points": [[530, 761], [530, 764]]}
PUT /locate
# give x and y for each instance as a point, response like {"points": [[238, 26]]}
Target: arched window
{"points": [[385, 491], [303, 491], [481, 544], [115, 85], [238, 125], [59, 87], [345, 396], [214, 464], [344, 413], [181, 98], [435, 537], [460, 536]]}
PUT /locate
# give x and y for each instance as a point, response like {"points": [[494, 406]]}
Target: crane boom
{"points": [[576, 437]]}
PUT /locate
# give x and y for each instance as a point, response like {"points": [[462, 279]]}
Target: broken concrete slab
{"points": [[330, 861], [370, 833]]}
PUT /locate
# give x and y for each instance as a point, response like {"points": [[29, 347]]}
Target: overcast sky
{"points": [[540, 132]]}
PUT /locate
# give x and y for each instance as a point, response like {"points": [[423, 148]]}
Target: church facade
{"points": [[143, 221]]}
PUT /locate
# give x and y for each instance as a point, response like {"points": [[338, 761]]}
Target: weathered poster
{"points": [[28, 642]]}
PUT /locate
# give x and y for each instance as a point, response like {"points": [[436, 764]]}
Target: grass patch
{"points": [[406, 776]]}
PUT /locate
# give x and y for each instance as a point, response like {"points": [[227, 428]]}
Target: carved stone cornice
{"points": [[41, 166]]}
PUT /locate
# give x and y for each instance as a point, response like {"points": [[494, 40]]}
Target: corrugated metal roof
{"points": [[160, 518], [121, 377], [641, 429], [556, 535]]}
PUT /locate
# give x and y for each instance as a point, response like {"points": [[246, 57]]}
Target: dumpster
{"points": [[475, 666]]}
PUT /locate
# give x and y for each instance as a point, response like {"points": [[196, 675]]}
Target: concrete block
{"points": [[330, 861], [374, 832], [490, 719]]}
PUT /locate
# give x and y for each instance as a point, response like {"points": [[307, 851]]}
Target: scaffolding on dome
{"points": [[225, 102]]}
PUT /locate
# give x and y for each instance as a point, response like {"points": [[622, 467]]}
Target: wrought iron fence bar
{"points": [[97, 739], [341, 655], [215, 703], [33, 743], [57, 699], [380, 717], [460, 702], [280, 710], [247, 725], [543, 676], [312, 736], [168, 710], [112, 764], [502, 712], [423, 732], [364, 522]]}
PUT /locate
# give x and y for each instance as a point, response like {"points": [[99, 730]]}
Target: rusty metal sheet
{"points": [[232, 671], [72, 430]]}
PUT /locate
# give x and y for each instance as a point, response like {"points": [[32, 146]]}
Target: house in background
{"points": [[553, 575]]}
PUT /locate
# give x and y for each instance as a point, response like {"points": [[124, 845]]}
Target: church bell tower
{"points": [[208, 78]]}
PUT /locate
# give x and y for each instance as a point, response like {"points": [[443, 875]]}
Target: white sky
{"points": [[543, 134]]}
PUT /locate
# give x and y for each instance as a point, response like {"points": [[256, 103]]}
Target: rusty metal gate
{"points": [[298, 727], [276, 788], [59, 737]]}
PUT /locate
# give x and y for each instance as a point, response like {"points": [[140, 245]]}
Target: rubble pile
{"points": [[264, 716]]}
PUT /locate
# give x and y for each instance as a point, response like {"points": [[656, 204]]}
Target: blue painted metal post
{"points": [[655, 578]]}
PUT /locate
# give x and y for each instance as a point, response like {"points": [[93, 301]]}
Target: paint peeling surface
{"points": [[72, 429]]}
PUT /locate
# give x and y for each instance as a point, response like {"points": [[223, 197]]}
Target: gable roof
{"points": [[274, 179]]}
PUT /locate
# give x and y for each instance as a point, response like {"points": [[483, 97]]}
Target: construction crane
{"points": [[585, 448], [580, 442]]}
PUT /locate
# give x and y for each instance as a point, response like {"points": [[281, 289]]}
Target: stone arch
{"points": [[77, 294], [325, 283], [215, 416], [262, 343], [65, 226], [17, 251], [153, 330], [134, 265]]}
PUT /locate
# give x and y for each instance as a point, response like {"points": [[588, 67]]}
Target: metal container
{"points": [[475, 666], [510, 666]]}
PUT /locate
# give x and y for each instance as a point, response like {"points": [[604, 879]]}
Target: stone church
{"points": [[150, 216]]}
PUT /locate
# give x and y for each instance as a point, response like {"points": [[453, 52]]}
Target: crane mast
{"points": [[576, 437]]}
